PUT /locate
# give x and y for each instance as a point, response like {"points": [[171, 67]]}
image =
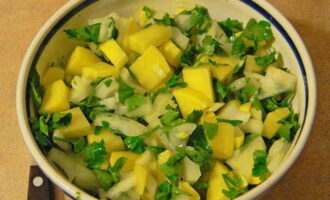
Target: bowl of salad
{"points": [[182, 100]]}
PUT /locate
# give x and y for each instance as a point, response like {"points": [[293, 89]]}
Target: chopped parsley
{"points": [[95, 154], [260, 166]]}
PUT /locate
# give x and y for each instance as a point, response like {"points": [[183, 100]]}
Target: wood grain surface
{"points": [[20, 20]]}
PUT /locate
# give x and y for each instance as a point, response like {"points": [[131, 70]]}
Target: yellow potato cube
{"points": [[190, 100], [56, 97], [153, 35], [164, 156], [245, 107], [199, 79], [251, 65], [271, 123], [209, 117], [79, 58], [171, 52], [186, 187], [222, 144], [223, 73], [217, 183], [79, 125], [255, 180], [114, 53], [142, 19], [52, 74], [99, 70], [112, 142], [131, 158], [222, 60], [151, 69], [126, 27], [141, 175], [239, 137]]}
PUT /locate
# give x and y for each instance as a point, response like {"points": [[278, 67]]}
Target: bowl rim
{"points": [[72, 190]]}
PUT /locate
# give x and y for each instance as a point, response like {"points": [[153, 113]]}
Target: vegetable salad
{"points": [[166, 106]]}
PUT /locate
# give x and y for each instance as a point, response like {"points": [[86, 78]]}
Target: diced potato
{"points": [[141, 174], [217, 183], [153, 35], [209, 117], [186, 187], [245, 107], [142, 19], [271, 123], [126, 27], [251, 65], [223, 73], [151, 69], [131, 158], [222, 144], [255, 180], [239, 138], [112, 142], [147, 196], [52, 74], [190, 100], [114, 53], [79, 125], [164, 156], [56, 98], [222, 60], [171, 52], [79, 58], [99, 70], [199, 79]]}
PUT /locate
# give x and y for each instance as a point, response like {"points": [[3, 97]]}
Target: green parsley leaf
{"points": [[124, 91], [148, 12], [108, 82], [265, 61], [231, 26], [35, 89], [60, 119], [199, 19], [210, 130], [197, 139], [174, 81], [89, 33], [105, 124], [200, 185], [260, 166], [257, 31], [247, 92], [135, 101], [164, 191], [240, 48], [104, 178], [95, 154], [210, 46], [271, 104], [78, 144], [232, 122], [189, 56], [221, 91], [234, 185], [289, 127], [166, 20], [194, 116], [170, 117], [97, 130], [90, 106], [119, 164], [135, 144]]}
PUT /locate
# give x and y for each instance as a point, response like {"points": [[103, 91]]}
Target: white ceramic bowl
{"points": [[51, 46]]}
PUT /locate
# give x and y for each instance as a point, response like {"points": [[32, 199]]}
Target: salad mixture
{"points": [[165, 106]]}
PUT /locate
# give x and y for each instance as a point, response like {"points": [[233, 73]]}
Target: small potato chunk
{"points": [[222, 144], [52, 74], [56, 98], [216, 183], [141, 174], [112, 142], [151, 69], [80, 58], [153, 35], [114, 53], [171, 52], [186, 187], [79, 125], [99, 70], [199, 79], [190, 100], [126, 27], [131, 158], [271, 123]]}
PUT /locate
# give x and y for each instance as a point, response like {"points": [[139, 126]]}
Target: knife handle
{"points": [[40, 187]]}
